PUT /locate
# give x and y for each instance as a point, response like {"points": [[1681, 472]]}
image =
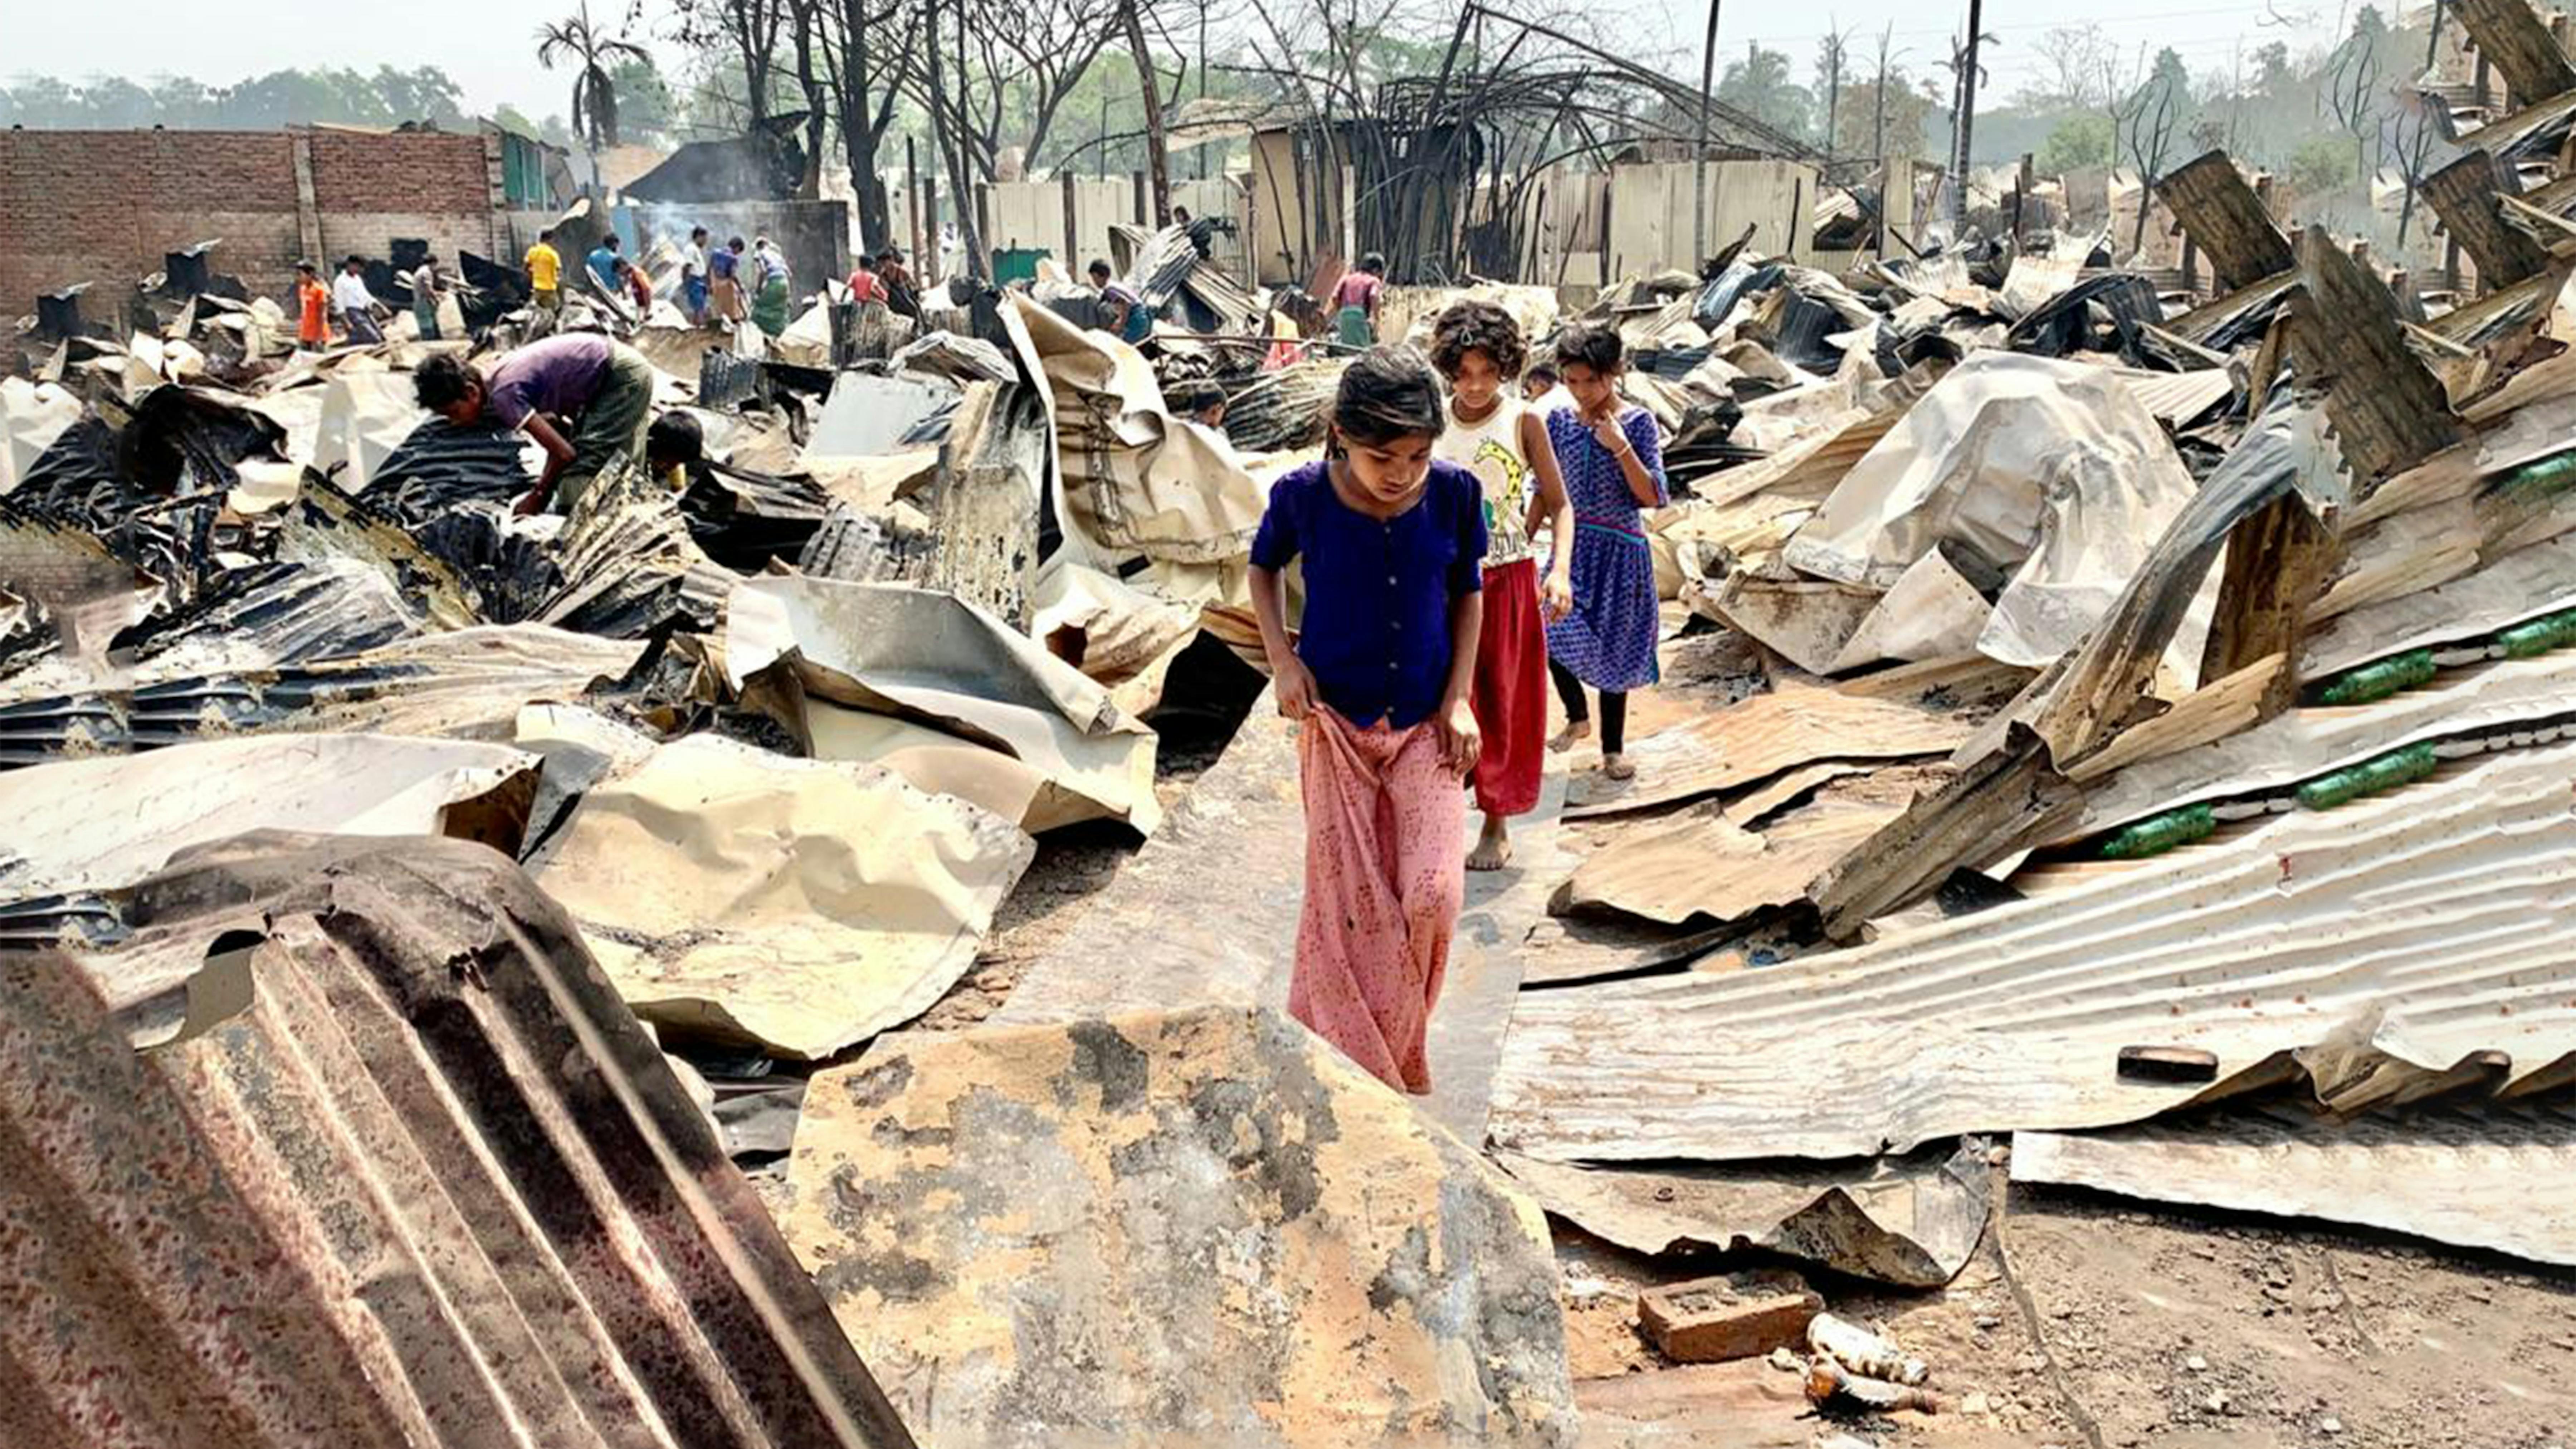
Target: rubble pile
{"points": [[2106, 737]]}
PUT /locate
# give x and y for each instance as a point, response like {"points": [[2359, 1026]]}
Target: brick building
{"points": [[104, 206]]}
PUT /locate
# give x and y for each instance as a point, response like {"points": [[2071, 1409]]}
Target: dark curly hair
{"points": [[1584, 345], [1478, 327], [1389, 393], [442, 378]]}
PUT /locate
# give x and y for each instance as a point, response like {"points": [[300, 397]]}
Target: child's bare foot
{"points": [[1617, 767], [1564, 739], [1493, 847]]}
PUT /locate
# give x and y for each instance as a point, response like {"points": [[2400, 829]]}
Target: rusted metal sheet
{"points": [[353, 1146], [1752, 741], [2509, 33], [2389, 410], [1707, 865], [2418, 928], [2464, 195], [2494, 1176], [2225, 219], [1190, 1227]]}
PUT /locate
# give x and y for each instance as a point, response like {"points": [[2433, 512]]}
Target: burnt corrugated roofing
{"points": [[354, 1146]]}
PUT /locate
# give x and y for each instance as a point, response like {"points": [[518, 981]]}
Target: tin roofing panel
{"points": [[354, 1146]]}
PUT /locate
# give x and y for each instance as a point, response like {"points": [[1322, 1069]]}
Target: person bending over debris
{"points": [[724, 282], [1478, 347], [639, 288], [1614, 469], [545, 273], [1355, 302], [312, 308], [579, 383], [1380, 676], [355, 304], [1129, 321]]}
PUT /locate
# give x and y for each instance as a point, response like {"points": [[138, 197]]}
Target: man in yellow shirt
{"points": [[545, 272]]}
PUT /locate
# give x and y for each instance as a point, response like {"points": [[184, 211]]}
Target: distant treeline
{"points": [[386, 97]]}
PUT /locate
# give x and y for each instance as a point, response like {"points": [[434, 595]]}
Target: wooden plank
{"points": [[2276, 562], [2509, 34], [2225, 219], [2464, 195], [2388, 409], [1986, 812]]}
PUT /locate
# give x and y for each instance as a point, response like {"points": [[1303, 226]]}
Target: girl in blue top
{"points": [[1381, 674]]}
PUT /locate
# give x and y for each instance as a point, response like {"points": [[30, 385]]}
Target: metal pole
{"points": [[1699, 151], [1967, 121]]}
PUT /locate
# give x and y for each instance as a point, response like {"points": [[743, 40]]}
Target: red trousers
{"points": [[1384, 879], [1510, 694]]}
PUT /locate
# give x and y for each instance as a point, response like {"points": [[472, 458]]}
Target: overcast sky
{"points": [[489, 45]]}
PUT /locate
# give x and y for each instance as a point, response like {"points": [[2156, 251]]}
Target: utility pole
{"points": [[1878, 123], [1833, 87], [1699, 151], [1961, 133], [1158, 155], [1203, 145]]}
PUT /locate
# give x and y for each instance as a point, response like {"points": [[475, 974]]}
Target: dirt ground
{"points": [[2093, 1323], [1072, 867]]}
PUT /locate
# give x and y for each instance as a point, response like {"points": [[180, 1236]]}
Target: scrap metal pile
{"points": [[2130, 724], [2138, 725], [760, 758]]}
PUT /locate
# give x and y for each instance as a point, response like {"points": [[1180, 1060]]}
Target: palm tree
{"points": [[594, 98]]}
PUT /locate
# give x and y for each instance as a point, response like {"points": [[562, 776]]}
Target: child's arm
{"points": [[1290, 681], [1459, 741], [1641, 464], [1556, 506]]}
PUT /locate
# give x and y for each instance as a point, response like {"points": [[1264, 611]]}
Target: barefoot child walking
{"points": [[1492, 434], [1380, 675], [1614, 469]]}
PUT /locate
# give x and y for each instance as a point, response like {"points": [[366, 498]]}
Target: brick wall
{"points": [[103, 206]]}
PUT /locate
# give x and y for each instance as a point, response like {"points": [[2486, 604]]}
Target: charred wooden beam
{"points": [[2277, 561], [2388, 409], [2509, 34], [2464, 195], [2226, 220], [2000, 804]]}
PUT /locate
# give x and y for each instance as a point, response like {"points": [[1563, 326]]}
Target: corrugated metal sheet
{"points": [[83, 826], [1764, 735], [2417, 929], [1706, 865], [2304, 743], [467, 684], [2492, 1176], [354, 1147]]}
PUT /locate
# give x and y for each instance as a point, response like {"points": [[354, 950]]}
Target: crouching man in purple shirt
{"points": [[583, 397]]}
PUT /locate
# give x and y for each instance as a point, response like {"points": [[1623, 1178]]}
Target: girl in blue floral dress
{"points": [[1613, 464]]}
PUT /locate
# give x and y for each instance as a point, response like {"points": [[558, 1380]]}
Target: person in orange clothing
{"points": [[313, 308]]}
